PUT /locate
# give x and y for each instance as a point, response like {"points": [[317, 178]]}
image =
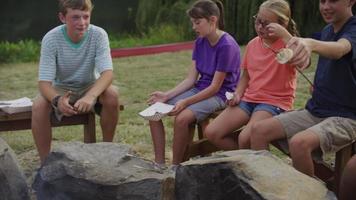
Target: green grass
{"points": [[136, 78]]}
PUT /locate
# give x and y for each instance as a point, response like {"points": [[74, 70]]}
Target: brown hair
{"points": [[206, 9], [74, 4], [282, 9]]}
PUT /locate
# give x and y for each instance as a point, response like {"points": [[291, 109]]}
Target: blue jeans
{"points": [[250, 108]]}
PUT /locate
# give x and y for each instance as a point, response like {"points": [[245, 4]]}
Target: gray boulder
{"points": [[245, 175], [12, 180], [100, 171]]}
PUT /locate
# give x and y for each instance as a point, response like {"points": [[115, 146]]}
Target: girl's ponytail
{"points": [[292, 28], [221, 17]]}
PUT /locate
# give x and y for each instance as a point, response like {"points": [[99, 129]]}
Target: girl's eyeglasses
{"points": [[260, 22]]}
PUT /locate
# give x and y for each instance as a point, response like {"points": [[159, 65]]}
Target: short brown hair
{"points": [[74, 4], [206, 9]]}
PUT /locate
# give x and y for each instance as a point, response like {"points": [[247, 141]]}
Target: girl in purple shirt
{"points": [[215, 70]]}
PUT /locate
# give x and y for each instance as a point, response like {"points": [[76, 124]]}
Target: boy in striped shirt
{"points": [[75, 72]]}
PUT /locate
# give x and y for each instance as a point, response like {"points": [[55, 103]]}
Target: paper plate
{"points": [[156, 111]]}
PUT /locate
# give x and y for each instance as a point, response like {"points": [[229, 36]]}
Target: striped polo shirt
{"points": [[74, 66]]}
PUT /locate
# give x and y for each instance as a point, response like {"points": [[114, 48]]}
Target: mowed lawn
{"points": [[136, 78]]}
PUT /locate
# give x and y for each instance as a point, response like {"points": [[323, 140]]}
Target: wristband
{"points": [[55, 101]]}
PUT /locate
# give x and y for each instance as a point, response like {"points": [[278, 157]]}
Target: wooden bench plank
{"points": [[22, 121]]}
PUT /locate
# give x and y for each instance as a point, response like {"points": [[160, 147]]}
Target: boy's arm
{"points": [[101, 84], [333, 50], [303, 47], [47, 90], [85, 103]]}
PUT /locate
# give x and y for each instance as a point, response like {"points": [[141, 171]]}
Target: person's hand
{"points": [[178, 107], [301, 52], [234, 101], [63, 105], [277, 30], [157, 96], [85, 103]]}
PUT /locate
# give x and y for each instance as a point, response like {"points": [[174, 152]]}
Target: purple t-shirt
{"points": [[223, 57]]}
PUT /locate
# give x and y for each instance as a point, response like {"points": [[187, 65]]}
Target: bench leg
{"points": [[89, 129]]}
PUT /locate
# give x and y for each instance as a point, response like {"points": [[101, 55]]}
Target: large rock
{"points": [[245, 175], [12, 180], [105, 171]]}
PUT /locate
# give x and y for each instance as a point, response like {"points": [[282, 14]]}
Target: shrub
{"points": [[22, 51], [155, 35]]}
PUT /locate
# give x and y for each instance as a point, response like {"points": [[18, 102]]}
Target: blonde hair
{"points": [[282, 9], [74, 4]]}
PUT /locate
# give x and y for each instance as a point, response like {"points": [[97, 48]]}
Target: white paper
{"points": [[23, 104], [156, 111]]}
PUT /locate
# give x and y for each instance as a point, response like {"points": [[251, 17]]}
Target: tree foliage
{"points": [[238, 16]]}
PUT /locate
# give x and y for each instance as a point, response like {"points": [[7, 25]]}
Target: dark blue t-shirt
{"points": [[335, 80]]}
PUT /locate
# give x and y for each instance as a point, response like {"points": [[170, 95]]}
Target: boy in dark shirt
{"points": [[328, 121]]}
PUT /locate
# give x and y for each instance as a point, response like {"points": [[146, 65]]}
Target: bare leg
{"points": [[348, 181], [265, 131], [219, 131], [159, 140], [301, 146], [245, 135], [41, 126], [109, 114], [182, 135]]}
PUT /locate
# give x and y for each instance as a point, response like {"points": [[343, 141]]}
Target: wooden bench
{"points": [[22, 121], [331, 175]]}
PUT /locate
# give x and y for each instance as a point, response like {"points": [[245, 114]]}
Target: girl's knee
{"points": [[182, 120], [210, 133]]}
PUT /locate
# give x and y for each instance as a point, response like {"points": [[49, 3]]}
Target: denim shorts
{"points": [[201, 109], [250, 108]]}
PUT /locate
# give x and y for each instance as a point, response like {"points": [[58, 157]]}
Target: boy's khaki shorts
{"points": [[334, 132], [76, 95]]}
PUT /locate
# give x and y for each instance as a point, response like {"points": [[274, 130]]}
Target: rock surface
{"points": [[100, 171], [12, 180], [245, 175]]}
